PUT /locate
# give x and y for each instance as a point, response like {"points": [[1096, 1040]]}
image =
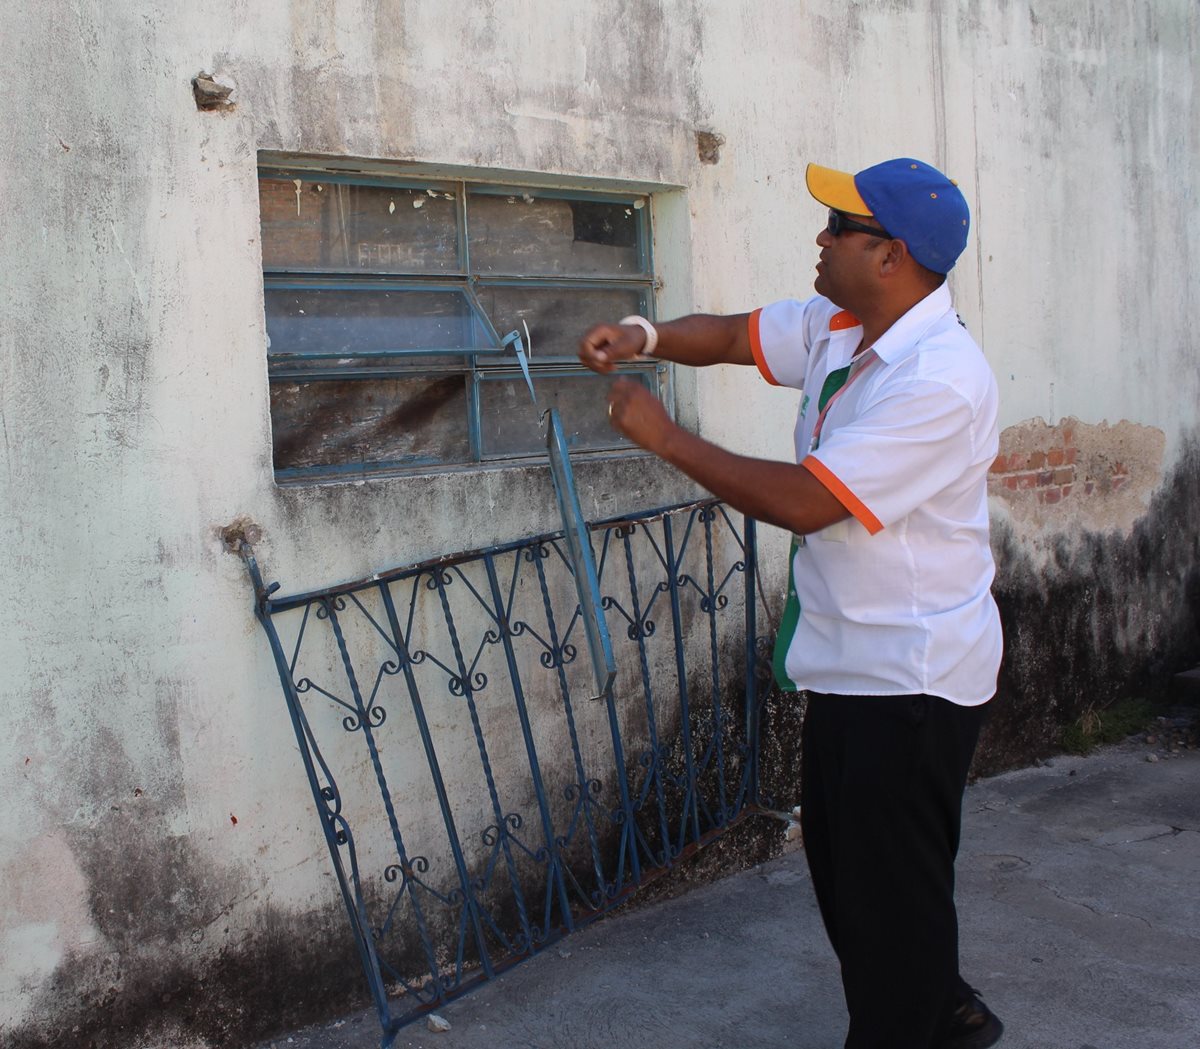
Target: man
{"points": [[891, 627]]}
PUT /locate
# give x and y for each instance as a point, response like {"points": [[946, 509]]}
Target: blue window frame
{"points": [[388, 301]]}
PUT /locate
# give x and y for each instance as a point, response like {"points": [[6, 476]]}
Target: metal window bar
{"points": [[559, 806]]}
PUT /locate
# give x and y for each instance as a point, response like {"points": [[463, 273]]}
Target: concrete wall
{"points": [[139, 704]]}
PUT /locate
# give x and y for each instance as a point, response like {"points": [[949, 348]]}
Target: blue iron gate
{"points": [[482, 790]]}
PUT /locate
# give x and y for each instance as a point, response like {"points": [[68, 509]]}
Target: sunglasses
{"points": [[840, 222]]}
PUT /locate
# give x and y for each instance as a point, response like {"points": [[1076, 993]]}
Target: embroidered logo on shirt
{"points": [[804, 406]]}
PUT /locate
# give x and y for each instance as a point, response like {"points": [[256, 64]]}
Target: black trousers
{"points": [[882, 784]]}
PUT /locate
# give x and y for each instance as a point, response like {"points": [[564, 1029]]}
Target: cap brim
{"points": [[835, 189]]}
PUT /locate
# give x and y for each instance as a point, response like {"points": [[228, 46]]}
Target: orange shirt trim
{"points": [[842, 494], [756, 349]]}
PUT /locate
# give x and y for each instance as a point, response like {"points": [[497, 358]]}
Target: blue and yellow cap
{"points": [[913, 201]]}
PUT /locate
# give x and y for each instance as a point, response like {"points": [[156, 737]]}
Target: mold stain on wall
{"points": [[151, 943], [168, 963], [1095, 583], [287, 969]]}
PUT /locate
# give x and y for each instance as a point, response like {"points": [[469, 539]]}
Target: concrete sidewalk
{"points": [[1079, 900]]}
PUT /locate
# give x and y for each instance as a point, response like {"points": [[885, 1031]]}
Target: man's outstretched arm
{"points": [[697, 341], [781, 494]]}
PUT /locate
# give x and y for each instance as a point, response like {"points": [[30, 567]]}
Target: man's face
{"points": [[848, 267]]}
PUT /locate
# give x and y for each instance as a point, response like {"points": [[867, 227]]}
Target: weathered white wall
{"points": [[1071, 128], [139, 703]]}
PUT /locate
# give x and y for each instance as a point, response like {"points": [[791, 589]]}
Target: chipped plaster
{"points": [[1101, 477]]}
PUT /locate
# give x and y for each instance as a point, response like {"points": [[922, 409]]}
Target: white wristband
{"points": [[651, 334]]}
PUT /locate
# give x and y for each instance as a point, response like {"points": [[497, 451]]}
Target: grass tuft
{"points": [[1096, 728]]}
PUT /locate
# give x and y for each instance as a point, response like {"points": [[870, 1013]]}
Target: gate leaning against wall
{"points": [[483, 788]]}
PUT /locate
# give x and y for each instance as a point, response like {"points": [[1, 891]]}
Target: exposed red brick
{"points": [[1010, 482], [1037, 460], [1044, 478], [1119, 480], [1089, 487], [1071, 454], [999, 465], [1056, 457], [1027, 480], [1051, 495], [1064, 475], [1066, 490]]}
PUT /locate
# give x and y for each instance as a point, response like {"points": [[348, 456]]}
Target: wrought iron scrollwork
{"points": [[550, 811], [327, 605], [416, 865], [491, 835]]}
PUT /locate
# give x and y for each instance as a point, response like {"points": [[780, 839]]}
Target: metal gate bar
{"points": [[435, 905]]}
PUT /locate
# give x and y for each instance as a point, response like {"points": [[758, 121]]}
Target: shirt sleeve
{"points": [[899, 452], [781, 338]]}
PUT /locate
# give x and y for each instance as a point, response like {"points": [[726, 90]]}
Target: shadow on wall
{"points": [[1091, 617]]}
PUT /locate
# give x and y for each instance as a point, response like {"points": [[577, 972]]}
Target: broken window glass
{"points": [[352, 321], [510, 425], [526, 235], [557, 315], [389, 302], [310, 225], [359, 423]]}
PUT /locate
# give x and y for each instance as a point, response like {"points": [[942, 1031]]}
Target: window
{"points": [[388, 304]]}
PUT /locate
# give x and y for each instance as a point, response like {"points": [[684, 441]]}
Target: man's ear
{"points": [[895, 258]]}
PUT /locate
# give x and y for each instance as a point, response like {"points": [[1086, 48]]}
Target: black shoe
{"points": [[973, 1026]]}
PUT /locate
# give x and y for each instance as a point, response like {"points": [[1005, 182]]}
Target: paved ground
{"points": [[1079, 898]]}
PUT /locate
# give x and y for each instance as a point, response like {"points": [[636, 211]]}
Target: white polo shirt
{"points": [[897, 598]]}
